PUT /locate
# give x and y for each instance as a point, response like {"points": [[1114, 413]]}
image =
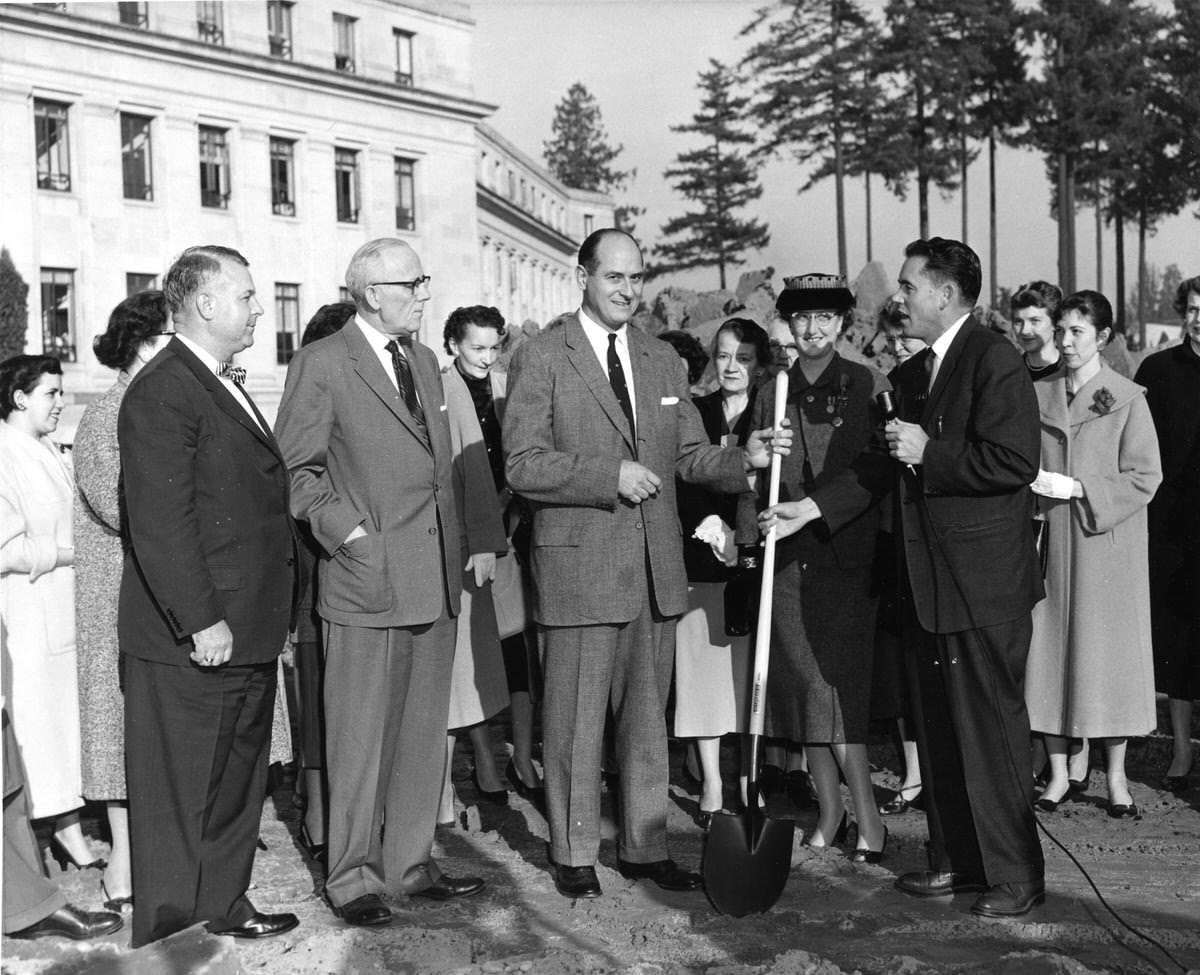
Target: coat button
{"points": [[291, 561], [432, 531], [638, 525]]}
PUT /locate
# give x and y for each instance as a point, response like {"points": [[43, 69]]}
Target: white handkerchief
{"points": [[669, 400], [442, 407], [719, 537]]}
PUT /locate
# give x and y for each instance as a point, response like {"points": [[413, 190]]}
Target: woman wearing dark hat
{"points": [[822, 629]]}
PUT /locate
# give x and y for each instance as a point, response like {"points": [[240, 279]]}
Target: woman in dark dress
{"points": [[822, 627]]}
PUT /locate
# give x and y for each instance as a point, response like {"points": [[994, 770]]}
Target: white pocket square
{"points": [[442, 407], [669, 400]]}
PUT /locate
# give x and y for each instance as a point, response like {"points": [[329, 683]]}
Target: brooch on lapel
{"points": [[836, 402], [1102, 401]]}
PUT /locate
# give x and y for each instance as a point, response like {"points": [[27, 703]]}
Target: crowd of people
{"points": [[992, 547]]}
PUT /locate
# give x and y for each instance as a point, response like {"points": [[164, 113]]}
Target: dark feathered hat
{"points": [[810, 292]]}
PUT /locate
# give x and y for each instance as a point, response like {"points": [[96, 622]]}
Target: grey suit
{"points": [[357, 457], [609, 576]]}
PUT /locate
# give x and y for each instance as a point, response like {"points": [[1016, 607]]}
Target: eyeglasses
{"points": [[410, 285], [822, 319]]}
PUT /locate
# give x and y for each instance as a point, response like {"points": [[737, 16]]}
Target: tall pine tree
{"points": [[719, 178]]}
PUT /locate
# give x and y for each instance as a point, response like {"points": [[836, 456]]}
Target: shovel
{"points": [[748, 856]]}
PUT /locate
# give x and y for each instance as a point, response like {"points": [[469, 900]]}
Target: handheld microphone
{"points": [[888, 408]]}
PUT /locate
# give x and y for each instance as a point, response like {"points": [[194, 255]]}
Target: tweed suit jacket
{"points": [[564, 439], [206, 500], [965, 515], [357, 457]]}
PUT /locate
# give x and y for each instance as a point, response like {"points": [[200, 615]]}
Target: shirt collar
{"points": [[209, 360], [377, 339], [942, 345], [597, 334]]}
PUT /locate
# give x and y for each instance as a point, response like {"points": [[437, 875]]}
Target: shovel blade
{"points": [[747, 859]]}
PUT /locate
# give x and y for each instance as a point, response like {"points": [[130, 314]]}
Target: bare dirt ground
{"points": [[834, 917]]}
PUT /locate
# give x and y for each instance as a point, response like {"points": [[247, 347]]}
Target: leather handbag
{"points": [[508, 596]]}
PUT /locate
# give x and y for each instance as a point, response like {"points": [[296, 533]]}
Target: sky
{"points": [[641, 60]]}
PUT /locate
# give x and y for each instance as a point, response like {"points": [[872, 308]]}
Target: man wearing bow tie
{"points": [[207, 596], [364, 430]]}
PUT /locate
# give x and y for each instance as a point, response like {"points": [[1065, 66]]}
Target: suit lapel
{"points": [[224, 399], [947, 369], [581, 355], [370, 370]]}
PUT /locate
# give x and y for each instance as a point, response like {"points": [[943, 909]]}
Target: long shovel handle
{"points": [[762, 635]]}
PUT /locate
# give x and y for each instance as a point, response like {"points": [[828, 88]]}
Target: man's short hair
{"points": [[193, 269], [1037, 294], [950, 261], [364, 267], [587, 250], [1185, 288]]}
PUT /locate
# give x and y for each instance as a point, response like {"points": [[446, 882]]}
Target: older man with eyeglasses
{"points": [[363, 429]]}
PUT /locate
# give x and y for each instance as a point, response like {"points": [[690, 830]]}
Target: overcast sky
{"points": [[641, 60]]}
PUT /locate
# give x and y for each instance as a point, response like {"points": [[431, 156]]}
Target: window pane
{"points": [[404, 58], [343, 43], [345, 166], [210, 22], [135, 282], [214, 168], [279, 28], [53, 154], [58, 313], [133, 14], [406, 213], [287, 322], [283, 197], [136, 173]]}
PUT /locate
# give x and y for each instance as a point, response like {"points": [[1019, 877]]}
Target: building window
{"points": [[134, 14], [214, 168], [53, 154], [406, 194], [404, 58], [209, 22], [512, 185], [279, 28], [136, 175], [135, 282], [58, 313], [589, 224], [283, 182], [287, 322], [345, 177], [343, 43], [344, 293]]}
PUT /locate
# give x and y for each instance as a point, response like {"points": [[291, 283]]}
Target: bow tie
{"points": [[227, 370]]}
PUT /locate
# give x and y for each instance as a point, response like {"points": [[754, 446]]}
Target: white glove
{"points": [[719, 537], [1051, 485]]}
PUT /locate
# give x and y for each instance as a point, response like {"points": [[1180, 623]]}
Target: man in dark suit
{"points": [[363, 427], [598, 424], [206, 601], [968, 445]]}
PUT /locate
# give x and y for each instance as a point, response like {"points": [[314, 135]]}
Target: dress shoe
{"points": [[1179, 783], [315, 850], [1010, 900], [871, 856], [497, 796], [704, 817], [899, 804], [71, 922], [576, 881], [259, 926], [839, 835], [937, 883], [365, 911], [1123, 810], [446, 888], [1076, 787], [1047, 805], [114, 903], [63, 857], [668, 874], [533, 793]]}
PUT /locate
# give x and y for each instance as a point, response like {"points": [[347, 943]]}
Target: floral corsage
{"points": [[1102, 401]]}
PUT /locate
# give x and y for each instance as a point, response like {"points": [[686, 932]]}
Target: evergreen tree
{"points": [[579, 153], [719, 178], [14, 307]]}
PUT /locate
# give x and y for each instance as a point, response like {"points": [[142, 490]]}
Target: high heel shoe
{"points": [[1179, 783], [704, 817], [534, 793], [1123, 810], [497, 796], [315, 851], [839, 835], [114, 904], [898, 804], [63, 857], [871, 856]]}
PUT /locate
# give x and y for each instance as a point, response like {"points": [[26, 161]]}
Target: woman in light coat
{"points": [[37, 596], [1090, 672]]}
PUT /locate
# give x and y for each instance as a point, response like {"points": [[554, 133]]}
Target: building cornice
{"points": [[498, 206], [168, 47], [488, 134]]}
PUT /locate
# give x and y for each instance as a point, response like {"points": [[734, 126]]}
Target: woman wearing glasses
{"points": [[822, 629]]}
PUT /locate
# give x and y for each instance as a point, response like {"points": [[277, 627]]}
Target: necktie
{"points": [[930, 370], [227, 370], [616, 379], [404, 379]]}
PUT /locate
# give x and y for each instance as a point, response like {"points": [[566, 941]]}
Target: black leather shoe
{"points": [[899, 804], [71, 922], [576, 881], [1179, 783], [446, 888], [937, 883], [260, 926], [364, 911], [668, 874], [1010, 900], [1047, 805], [1123, 810], [871, 856], [534, 793], [497, 796]]}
